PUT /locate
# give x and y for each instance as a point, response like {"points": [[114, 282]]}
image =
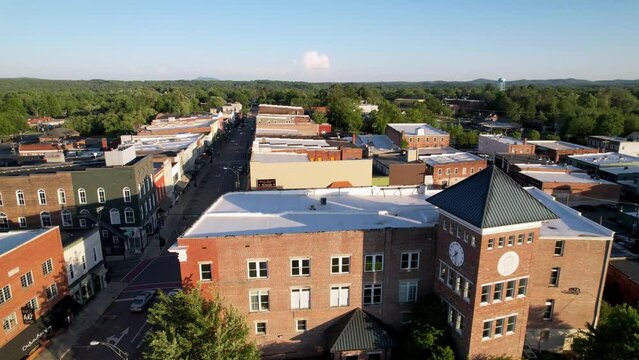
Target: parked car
{"points": [[174, 292], [142, 301]]}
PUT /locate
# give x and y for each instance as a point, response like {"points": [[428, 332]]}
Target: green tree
{"points": [[427, 337], [187, 326], [534, 135], [616, 336], [344, 114], [319, 117]]}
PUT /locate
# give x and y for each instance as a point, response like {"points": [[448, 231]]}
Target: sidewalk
{"points": [[61, 344]]}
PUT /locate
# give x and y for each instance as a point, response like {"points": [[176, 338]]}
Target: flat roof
{"points": [[13, 239], [267, 144], [553, 176], [411, 129], [449, 158], [500, 125], [278, 157], [503, 139], [381, 142], [559, 145], [617, 170], [156, 143], [282, 106], [605, 158], [630, 267], [436, 151], [608, 138], [547, 167]]}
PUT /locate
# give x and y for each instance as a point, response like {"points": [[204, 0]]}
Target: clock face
{"points": [[508, 263], [456, 253]]}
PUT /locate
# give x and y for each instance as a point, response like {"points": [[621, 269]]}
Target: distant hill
{"points": [[205, 78]]}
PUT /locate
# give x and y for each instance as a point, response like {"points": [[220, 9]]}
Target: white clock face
{"points": [[508, 263], [456, 253]]}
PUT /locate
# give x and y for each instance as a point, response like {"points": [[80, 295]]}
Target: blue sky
{"points": [[319, 40]]}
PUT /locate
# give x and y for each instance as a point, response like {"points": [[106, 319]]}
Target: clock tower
{"points": [[486, 231]]}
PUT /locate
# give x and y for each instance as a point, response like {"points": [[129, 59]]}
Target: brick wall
{"points": [[620, 287], [449, 177]]}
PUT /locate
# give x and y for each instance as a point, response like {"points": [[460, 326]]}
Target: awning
{"points": [[28, 340]]}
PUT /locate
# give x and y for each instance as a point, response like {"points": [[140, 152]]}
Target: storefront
{"points": [[85, 288]]}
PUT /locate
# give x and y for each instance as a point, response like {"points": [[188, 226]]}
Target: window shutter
{"points": [[305, 298], [335, 296], [343, 297], [295, 299]]}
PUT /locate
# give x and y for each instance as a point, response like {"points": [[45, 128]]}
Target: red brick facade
{"points": [[452, 173], [418, 141]]}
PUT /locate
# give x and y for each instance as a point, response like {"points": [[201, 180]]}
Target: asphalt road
{"points": [[126, 330]]}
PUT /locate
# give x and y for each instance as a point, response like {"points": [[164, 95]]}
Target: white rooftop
{"points": [[609, 138], [436, 151], [278, 157], [617, 170], [148, 144], [559, 145], [547, 167], [502, 139], [13, 239], [380, 142], [413, 129], [570, 224], [184, 122], [554, 176], [606, 158], [283, 106], [266, 144], [449, 158]]}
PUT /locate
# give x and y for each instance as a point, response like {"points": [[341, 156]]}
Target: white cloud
{"points": [[315, 61]]}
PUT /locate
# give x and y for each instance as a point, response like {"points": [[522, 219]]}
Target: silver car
{"points": [[142, 301]]}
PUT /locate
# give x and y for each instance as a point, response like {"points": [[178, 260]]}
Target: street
{"points": [[122, 328]]}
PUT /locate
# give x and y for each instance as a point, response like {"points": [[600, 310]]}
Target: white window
{"points": [[129, 216], [71, 272], [9, 322], [498, 291], [45, 219], [20, 197], [510, 288], [520, 239], [301, 298], [521, 289], [52, 291], [62, 197], [300, 267], [485, 294], [340, 265], [115, 216], [26, 280], [260, 327], [206, 271], [5, 294], [510, 324], [340, 295], [531, 236], [468, 290], [499, 327], [559, 248], [372, 294], [126, 194], [67, 219], [408, 291], [4, 221], [487, 330], [443, 272], [548, 310], [47, 266], [33, 303], [22, 221], [554, 277], [83, 222], [374, 263], [42, 197], [82, 196], [300, 325], [257, 269], [105, 233], [410, 261], [101, 196], [259, 300]]}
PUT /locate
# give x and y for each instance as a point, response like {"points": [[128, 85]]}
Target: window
{"points": [[530, 237], [340, 265], [468, 290], [443, 272], [300, 325], [84, 263], [485, 294], [257, 269], [67, 219], [116, 239], [497, 293], [521, 289], [550, 305], [129, 216], [62, 197], [491, 244], [22, 221], [520, 239], [115, 216], [300, 267], [47, 266], [82, 196], [510, 289], [260, 327], [554, 277], [439, 171], [458, 282], [206, 272], [501, 242], [451, 228], [444, 224], [82, 222], [71, 273], [372, 294], [95, 254], [374, 263], [9, 322], [511, 240], [458, 232], [408, 291], [499, 327], [20, 197], [472, 241], [45, 219], [340, 295], [5, 294], [259, 300], [463, 171], [510, 324], [559, 248], [126, 194], [301, 298], [42, 197], [486, 332], [4, 221], [33, 303], [455, 171], [405, 317], [101, 196], [26, 280], [105, 233], [447, 171], [410, 261], [52, 291], [472, 170]]}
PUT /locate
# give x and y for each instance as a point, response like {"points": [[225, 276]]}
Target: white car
{"points": [[173, 292], [142, 301]]}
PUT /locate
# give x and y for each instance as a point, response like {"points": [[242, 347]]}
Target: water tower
{"points": [[501, 84]]}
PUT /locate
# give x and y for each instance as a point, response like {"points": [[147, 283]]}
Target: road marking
{"points": [[138, 333], [142, 340], [115, 339], [123, 300], [143, 269]]}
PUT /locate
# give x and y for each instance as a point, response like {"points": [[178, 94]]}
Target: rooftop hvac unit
{"points": [[323, 201]]}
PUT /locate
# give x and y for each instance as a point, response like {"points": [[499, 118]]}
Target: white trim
{"points": [[493, 230]]}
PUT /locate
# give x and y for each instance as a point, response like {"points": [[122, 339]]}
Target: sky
{"points": [[319, 41]]}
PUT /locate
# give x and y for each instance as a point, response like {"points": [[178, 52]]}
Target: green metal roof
{"points": [[357, 330], [489, 199]]}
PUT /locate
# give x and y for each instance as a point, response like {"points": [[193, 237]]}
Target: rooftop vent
{"points": [[323, 201], [312, 207]]}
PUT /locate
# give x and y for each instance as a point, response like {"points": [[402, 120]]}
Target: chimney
{"points": [[105, 144], [354, 138], [525, 141]]}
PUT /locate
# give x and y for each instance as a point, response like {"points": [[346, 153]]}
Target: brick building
{"points": [[417, 135], [313, 257], [280, 109], [622, 281], [29, 278], [448, 169], [558, 151], [497, 144], [279, 120]]}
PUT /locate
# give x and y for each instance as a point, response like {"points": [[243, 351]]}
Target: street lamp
{"points": [[123, 355], [237, 176]]}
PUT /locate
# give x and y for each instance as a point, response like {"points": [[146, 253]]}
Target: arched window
{"points": [[83, 221], [42, 197], [62, 197], [20, 197], [126, 193], [67, 220], [115, 216], [4, 221], [129, 216], [101, 196], [45, 219], [82, 196]]}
